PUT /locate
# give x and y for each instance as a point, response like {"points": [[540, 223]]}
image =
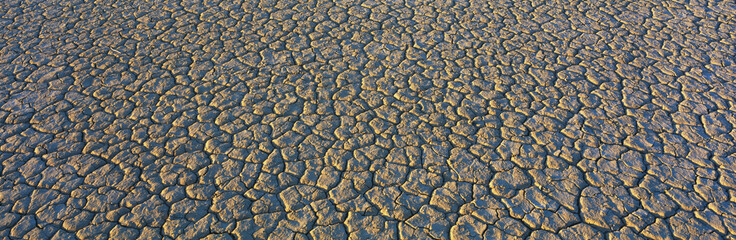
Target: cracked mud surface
{"points": [[367, 119]]}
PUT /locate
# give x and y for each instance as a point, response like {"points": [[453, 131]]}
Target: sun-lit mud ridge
{"points": [[367, 119]]}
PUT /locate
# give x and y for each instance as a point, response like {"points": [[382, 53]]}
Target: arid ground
{"points": [[395, 119]]}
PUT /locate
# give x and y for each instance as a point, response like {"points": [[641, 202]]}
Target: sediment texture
{"points": [[316, 119]]}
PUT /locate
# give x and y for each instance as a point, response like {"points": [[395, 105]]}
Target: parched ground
{"points": [[314, 119]]}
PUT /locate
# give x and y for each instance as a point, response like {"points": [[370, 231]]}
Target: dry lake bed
{"points": [[396, 119]]}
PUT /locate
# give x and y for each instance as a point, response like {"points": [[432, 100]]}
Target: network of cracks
{"points": [[314, 119]]}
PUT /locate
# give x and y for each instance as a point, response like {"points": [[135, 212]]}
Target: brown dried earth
{"points": [[315, 119]]}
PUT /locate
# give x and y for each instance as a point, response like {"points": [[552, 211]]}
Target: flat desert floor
{"points": [[388, 119]]}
